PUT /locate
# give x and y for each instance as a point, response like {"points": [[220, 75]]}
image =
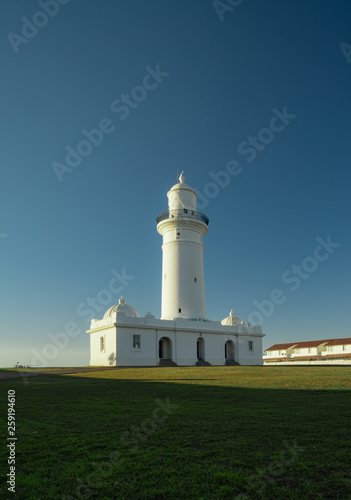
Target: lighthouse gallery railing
{"points": [[191, 214]]}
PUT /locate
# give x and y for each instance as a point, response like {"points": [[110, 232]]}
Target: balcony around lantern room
{"points": [[183, 213]]}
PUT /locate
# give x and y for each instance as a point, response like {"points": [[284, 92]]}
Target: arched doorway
{"points": [[229, 350], [200, 348], [165, 348]]}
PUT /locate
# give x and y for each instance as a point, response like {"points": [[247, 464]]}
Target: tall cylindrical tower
{"points": [[182, 228]]}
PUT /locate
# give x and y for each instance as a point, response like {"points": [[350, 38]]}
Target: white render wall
{"points": [[337, 349], [308, 351], [127, 355], [245, 357], [290, 352], [107, 356], [182, 263]]}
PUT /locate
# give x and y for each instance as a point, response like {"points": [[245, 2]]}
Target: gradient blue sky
{"points": [[225, 78]]}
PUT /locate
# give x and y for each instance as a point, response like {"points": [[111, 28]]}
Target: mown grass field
{"points": [[179, 433]]}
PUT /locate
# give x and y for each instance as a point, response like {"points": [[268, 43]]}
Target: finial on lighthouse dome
{"points": [[182, 178]]}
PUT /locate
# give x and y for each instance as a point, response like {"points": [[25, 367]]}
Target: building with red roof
{"points": [[331, 351]]}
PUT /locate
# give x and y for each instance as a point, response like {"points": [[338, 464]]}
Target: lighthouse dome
{"points": [[122, 307], [181, 196], [182, 185], [232, 320]]}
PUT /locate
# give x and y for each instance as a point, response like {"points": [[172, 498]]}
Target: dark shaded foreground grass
{"points": [[197, 433]]}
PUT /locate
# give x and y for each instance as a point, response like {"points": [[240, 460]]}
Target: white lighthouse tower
{"points": [[182, 336], [182, 228]]}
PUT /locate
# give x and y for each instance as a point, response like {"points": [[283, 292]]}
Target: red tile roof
{"points": [[279, 347], [309, 343], [339, 342]]}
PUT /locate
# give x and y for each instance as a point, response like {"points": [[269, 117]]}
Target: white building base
{"points": [[120, 340]]}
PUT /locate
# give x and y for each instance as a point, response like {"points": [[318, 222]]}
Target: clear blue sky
{"points": [[219, 82]]}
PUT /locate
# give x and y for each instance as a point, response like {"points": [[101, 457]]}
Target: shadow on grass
{"points": [[146, 439], [11, 374]]}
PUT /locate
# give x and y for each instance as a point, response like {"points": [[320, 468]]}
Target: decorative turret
{"points": [[232, 319], [122, 307]]}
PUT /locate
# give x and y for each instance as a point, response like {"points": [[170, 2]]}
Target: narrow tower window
{"points": [[180, 310], [195, 279]]}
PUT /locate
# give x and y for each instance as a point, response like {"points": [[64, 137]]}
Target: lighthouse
{"points": [[182, 336], [182, 229]]}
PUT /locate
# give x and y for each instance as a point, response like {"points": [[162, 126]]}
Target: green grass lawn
{"points": [[178, 433]]}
